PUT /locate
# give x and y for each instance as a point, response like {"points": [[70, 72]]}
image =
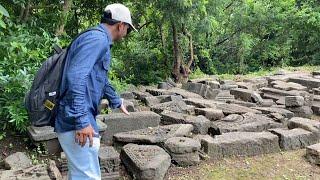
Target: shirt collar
{"points": [[105, 29]]}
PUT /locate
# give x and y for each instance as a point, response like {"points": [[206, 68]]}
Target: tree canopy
{"points": [[175, 38]]}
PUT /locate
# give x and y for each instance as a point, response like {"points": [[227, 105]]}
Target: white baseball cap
{"points": [[119, 12]]}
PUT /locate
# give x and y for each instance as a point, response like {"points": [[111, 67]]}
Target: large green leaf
{"points": [[4, 11], [2, 24]]}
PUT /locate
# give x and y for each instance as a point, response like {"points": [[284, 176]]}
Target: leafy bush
{"points": [[22, 52]]}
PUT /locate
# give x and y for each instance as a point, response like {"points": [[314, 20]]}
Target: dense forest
{"points": [[175, 39]]}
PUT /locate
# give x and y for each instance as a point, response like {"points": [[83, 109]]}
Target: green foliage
{"points": [[3, 12], [229, 37], [22, 52]]}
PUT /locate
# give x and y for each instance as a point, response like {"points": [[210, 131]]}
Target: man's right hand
{"points": [[83, 134]]}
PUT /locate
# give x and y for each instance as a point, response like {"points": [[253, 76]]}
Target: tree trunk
{"points": [[164, 46], [176, 54], [25, 12], [64, 17]]}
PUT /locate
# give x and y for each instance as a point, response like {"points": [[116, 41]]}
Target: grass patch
{"points": [[284, 165]]}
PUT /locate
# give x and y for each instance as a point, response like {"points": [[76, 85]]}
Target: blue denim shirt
{"points": [[85, 81]]}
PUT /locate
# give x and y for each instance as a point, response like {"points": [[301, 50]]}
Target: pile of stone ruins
{"points": [[180, 125]]}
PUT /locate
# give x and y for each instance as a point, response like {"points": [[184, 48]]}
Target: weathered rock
{"points": [[154, 135], [278, 92], [53, 171], [249, 122], [201, 103], [295, 138], [306, 124], [316, 108], [241, 103], [200, 123], [145, 161], [141, 95], [246, 95], [257, 83], [164, 85], [18, 160], [204, 80], [316, 91], [159, 92], [242, 144], [109, 160], [268, 110], [267, 103], [182, 145], [127, 95], [235, 109], [187, 159], [129, 106], [119, 122], [294, 101], [175, 106], [38, 172], [288, 86], [213, 84], [210, 113], [304, 111], [63, 163], [202, 89], [184, 93], [306, 81], [41, 133], [313, 154], [278, 118], [224, 96]]}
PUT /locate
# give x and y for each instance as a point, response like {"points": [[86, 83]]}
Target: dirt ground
{"points": [[284, 165]]}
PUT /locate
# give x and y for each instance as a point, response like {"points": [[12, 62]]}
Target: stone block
{"points": [[246, 95], [242, 144], [294, 101], [127, 95], [38, 172], [268, 110], [306, 81], [241, 103], [109, 160], [303, 111], [182, 145], [140, 95], [201, 103], [210, 113], [145, 162], [41, 133], [224, 96], [200, 123], [17, 160], [184, 93], [213, 84], [187, 159], [235, 109], [155, 135], [175, 106], [313, 154], [295, 138], [120, 122], [202, 89], [248, 122], [304, 123]]}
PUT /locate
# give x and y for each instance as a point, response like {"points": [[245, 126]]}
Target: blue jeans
{"points": [[83, 162]]}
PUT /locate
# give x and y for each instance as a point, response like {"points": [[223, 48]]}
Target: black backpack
{"points": [[43, 98]]}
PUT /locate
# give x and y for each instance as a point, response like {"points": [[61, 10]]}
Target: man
{"points": [[84, 83]]}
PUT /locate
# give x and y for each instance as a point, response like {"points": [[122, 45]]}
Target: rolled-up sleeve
{"points": [[88, 50]]}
